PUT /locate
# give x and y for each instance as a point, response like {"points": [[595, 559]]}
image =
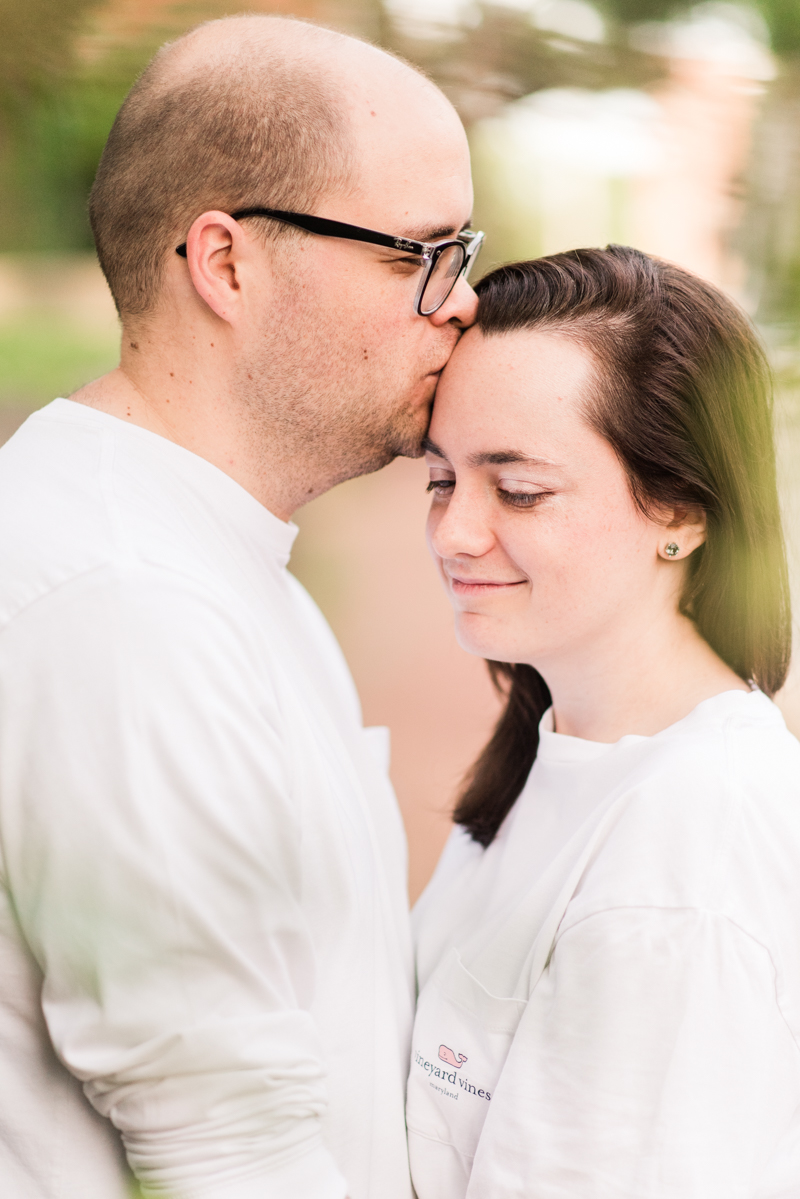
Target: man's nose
{"points": [[460, 307]]}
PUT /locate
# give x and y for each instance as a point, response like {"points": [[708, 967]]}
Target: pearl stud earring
{"points": [[671, 550]]}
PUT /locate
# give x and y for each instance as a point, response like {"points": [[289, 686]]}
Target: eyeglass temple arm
{"points": [[318, 224]]}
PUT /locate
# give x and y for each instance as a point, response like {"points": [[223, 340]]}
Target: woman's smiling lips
{"points": [[462, 586]]}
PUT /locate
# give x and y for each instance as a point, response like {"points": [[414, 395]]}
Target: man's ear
{"points": [[214, 249], [683, 530]]}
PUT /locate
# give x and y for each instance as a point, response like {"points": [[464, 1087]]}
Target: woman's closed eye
{"points": [[512, 497], [521, 499]]}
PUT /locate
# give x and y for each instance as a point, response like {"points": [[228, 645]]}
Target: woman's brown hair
{"points": [[684, 396]]}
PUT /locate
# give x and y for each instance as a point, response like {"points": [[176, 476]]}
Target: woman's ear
{"points": [[685, 531]]}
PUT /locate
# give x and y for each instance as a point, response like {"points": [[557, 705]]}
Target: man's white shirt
{"points": [[203, 906]]}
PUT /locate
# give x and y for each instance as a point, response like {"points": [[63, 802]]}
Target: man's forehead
{"points": [[410, 155]]}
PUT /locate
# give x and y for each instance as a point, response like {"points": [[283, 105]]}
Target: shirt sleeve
{"points": [[151, 843], [651, 1062]]}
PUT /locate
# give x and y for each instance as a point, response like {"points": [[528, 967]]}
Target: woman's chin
{"points": [[476, 635]]}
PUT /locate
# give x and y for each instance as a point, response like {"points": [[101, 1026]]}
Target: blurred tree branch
{"points": [[505, 57], [38, 46], [65, 66]]}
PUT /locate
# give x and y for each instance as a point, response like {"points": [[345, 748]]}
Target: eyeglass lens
{"points": [[442, 278]]}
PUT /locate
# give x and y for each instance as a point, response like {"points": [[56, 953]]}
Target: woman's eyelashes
{"points": [[521, 499], [512, 498]]}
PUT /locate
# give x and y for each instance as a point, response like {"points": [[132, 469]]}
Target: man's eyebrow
{"points": [[436, 233], [507, 457]]}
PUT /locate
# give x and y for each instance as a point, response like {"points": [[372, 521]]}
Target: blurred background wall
{"points": [[670, 126]]}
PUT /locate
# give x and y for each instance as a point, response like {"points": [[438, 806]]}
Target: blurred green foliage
{"points": [[629, 12], [783, 21], [55, 113], [43, 355], [37, 46]]}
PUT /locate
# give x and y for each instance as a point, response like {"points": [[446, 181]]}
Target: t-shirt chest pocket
{"points": [[462, 1036]]}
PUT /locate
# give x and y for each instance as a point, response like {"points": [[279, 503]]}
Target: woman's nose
{"points": [[459, 527]]}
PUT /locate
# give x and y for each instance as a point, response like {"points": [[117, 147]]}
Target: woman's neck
{"points": [[629, 683]]}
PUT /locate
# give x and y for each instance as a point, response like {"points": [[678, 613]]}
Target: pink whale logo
{"points": [[452, 1059]]}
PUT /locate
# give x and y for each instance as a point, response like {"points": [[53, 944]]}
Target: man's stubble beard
{"points": [[332, 422]]}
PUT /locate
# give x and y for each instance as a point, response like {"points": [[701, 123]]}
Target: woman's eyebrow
{"points": [[430, 447], [505, 457], [490, 457]]}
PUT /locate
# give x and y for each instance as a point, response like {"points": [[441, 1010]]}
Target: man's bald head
{"points": [[241, 112]]}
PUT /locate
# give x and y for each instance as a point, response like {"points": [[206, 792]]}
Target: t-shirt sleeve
{"points": [[151, 844], [651, 1062]]}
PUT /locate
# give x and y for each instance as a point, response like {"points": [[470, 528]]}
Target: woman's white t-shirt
{"points": [[610, 993]]}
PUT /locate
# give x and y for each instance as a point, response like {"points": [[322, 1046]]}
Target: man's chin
{"points": [[405, 444], [405, 447], [411, 443], [411, 448], [402, 438]]}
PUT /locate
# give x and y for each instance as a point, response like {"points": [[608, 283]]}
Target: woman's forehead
{"points": [[506, 388]]}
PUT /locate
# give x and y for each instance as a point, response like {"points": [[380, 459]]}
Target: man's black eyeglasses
{"points": [[444, 261]]}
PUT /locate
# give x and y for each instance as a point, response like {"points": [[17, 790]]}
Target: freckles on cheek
{"points": [[565, 557], [597, 531]]}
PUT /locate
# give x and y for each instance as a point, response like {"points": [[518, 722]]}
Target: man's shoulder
{"points": [[53, 524], [75, 505]]}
